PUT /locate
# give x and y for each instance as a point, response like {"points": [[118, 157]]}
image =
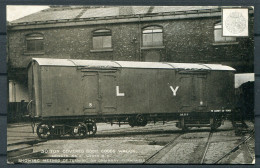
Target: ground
{"points": [[152, 144]]}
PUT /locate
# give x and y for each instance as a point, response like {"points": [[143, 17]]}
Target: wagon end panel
{"points": [[31, 107], [34, 82], [221, 91]]}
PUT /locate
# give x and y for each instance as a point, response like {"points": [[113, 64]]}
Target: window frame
{"points": [[98, 33], [153, 28], [221, 39], [34, 37]]}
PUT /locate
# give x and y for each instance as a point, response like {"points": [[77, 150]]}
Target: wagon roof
{"points": [[128, 64]]}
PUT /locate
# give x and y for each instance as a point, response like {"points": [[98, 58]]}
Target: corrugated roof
{"points": [[53, 62], [129, 64], [162, 9], [134, 64], [95, 63], [140, 9], [66, 13], [189, 66], [100, 12], [219, 67], [49, 15]]}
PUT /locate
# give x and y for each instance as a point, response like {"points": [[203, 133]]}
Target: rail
{"points": [[207, 147], [236, 147], [165, 148]]}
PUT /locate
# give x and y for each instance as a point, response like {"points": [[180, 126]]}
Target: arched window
{"points": [[218, 35], [152, 36], [102, 39], [34, 42]]}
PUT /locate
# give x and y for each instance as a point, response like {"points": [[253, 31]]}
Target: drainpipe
{"points": [[14, 91], [140, 37]]}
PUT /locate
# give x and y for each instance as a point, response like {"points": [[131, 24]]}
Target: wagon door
{"points": [[192, 91], [90, 93], [185, 90], [107, 84], [199, 91]]}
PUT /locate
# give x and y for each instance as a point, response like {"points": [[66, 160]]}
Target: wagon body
{"points": [[61, 88]]}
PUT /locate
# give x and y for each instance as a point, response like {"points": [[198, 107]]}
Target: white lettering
{"points": [[174, 90], [118, 93]]}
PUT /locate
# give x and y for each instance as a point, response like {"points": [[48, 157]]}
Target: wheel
{"points": [[214, 123], [43, 131], [218, 124], [141, 120], [131, 121], [92, 128], [80, 130]]}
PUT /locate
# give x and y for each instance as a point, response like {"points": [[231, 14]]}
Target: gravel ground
{"points": [[181, 149]]}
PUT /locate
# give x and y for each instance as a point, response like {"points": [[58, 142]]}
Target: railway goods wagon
{"points": [[70, 96]]}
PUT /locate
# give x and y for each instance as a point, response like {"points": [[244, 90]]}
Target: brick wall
{"points": [[186, 40]]}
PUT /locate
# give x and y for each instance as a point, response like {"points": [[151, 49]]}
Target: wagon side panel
{"points": [[132, 94], [61, 91], [163, 92]]}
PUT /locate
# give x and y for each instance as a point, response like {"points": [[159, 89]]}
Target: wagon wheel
{"points": [[43, 131], [80, 130], [214, 124], [92, 128], [131, 121], [141, 120]]}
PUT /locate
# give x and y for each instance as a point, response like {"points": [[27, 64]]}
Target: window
{"points": [[102, 39], [34, 42], [218, 35], [152, 36]]}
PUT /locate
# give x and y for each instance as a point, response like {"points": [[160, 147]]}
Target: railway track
{"points": [[249, 147], [242, 145], [157, 155], [206, 148], [154, 158], [148, 127], [22, 151], [193, 147]]}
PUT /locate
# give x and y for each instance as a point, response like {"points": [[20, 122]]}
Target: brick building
{"points": [[137, 33]]}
